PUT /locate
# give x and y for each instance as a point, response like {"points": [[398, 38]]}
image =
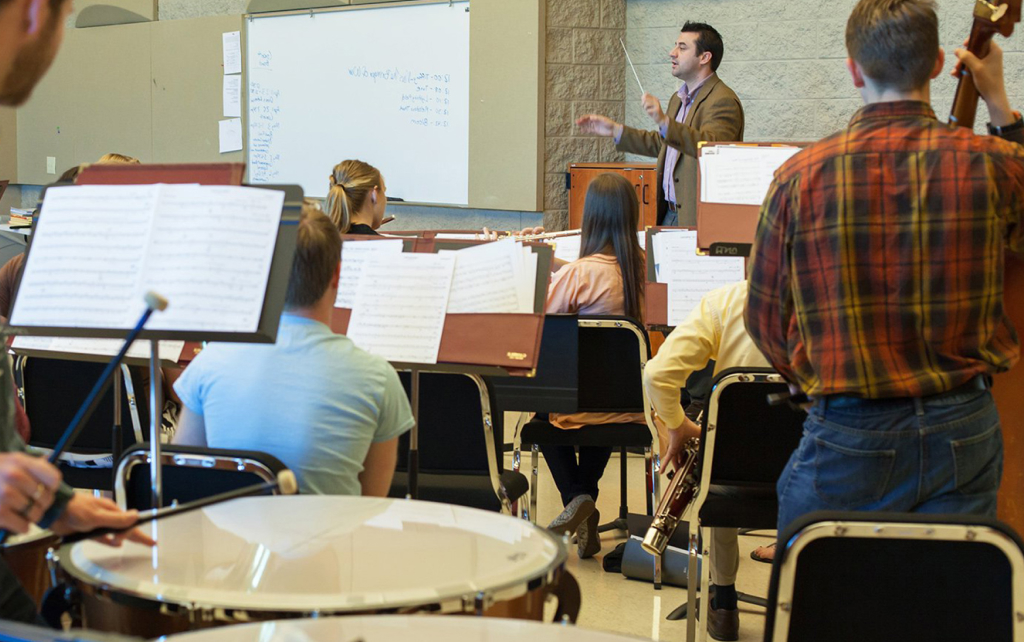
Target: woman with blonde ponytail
{"points": [[355, 201]]}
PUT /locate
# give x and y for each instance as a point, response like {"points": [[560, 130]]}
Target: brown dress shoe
{"points": [[723, 624]]}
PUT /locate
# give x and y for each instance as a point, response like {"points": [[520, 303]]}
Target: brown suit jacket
{"points": [[716, 115]]}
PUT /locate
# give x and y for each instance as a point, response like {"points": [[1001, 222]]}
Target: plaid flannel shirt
{"points": [[878, 261]]}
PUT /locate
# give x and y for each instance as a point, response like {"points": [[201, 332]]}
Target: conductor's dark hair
{"points": [[708, 39], [611, 215], [317, 254]]}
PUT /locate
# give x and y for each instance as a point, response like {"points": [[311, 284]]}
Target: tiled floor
{"points": [[613, 603]]}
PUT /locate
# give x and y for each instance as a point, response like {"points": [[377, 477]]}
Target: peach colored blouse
{"points": [[591, 285]]}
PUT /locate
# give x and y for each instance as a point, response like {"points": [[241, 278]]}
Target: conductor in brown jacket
{"points": [[704, 109]]}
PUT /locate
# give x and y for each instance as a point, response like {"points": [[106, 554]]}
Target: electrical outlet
{"points": [[51, 164]]}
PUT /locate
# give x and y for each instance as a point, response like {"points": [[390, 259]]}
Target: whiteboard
{"points": [[387, 85]]}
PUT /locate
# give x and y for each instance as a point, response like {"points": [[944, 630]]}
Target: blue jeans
{"points": [[939, 454]]}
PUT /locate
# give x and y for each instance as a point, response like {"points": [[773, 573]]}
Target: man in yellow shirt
{"points": [[713, 330]]}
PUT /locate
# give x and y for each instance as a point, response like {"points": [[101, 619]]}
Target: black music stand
{"points": [[26, 321]]}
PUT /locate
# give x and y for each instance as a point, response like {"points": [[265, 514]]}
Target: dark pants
{"points": [[576, 478], [15, 604]]}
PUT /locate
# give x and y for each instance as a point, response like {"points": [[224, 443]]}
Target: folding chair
{"points": [[52, 391], [611, 355], [845, 577], [744, 447], [460, 458], [190, 473]]}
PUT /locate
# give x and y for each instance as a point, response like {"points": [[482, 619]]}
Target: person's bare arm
{"points": [[379, 468], [191, 429]]}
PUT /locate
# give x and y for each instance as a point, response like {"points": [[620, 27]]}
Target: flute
{"points": [[680, 492], [545, 235]]}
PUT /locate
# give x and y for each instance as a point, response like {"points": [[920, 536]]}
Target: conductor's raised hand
{"points": [[27, 487], [597, 124], [85, 513], [653, 108]]}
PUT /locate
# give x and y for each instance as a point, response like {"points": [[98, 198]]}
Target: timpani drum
{"points": [[263, 558], [399, 628], [26, 555]]}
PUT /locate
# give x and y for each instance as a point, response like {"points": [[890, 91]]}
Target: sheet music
{"points": [[82, 270], [400, 306], [168, 350], [690, 276], [210, 256], [739, 175], [354, 255], [99, 248], [489, 278], [567, 248]]}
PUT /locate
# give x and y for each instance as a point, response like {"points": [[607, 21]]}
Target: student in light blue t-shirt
{"points": [[330, 411]]}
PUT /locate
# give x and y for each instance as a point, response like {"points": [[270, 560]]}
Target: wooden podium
{"points": [[644, 177]]}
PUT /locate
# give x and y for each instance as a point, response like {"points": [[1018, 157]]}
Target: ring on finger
{"points": [[28, 508], [40, 489]]}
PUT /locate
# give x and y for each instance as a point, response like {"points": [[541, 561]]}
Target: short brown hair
{"points": [[317, 254], [896, 42]]}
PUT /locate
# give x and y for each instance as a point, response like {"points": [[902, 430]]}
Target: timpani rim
{"points": [[452, 600]]}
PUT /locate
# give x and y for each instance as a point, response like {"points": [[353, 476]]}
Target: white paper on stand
{"points": [[98, 248], [690, 276], [567, 248], [354, 256], [168, 350], [490, 278], [400, 306], [740, 174]]}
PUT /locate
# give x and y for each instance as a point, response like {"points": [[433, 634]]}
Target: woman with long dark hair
{"points": [[608, 278]]}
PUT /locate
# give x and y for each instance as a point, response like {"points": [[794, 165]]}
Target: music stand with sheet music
{"points": [[656, 303], [52, 299], [730, 192], [505, 344]]}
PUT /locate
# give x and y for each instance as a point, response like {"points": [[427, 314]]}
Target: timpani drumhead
{"points": [[399, 628], [324, 554]]}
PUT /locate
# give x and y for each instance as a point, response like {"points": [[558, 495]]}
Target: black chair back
{"points": [[54, 390], [554, 387], [753, 440], [191, 473], [450, 425], [454, 462], [891, 576], [609, 371]]}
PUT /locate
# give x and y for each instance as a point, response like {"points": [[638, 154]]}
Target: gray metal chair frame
{"points": [[208, 461]]}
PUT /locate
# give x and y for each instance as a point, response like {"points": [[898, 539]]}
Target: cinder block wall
{"points": [[584, 75], [785, 59]]}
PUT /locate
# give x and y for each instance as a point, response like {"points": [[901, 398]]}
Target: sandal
{"points": [[767, 560]]}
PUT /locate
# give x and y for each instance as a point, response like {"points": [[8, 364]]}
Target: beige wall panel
{"points": [[506, 104], [115, 110], [187, 89], [8, 145], [145, 8], [45, 123]]}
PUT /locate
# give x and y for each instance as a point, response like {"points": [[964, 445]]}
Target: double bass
{"points": [[1008, 390]]}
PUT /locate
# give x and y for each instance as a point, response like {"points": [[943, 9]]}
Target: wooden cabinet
{"points": [[643, 176]]}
